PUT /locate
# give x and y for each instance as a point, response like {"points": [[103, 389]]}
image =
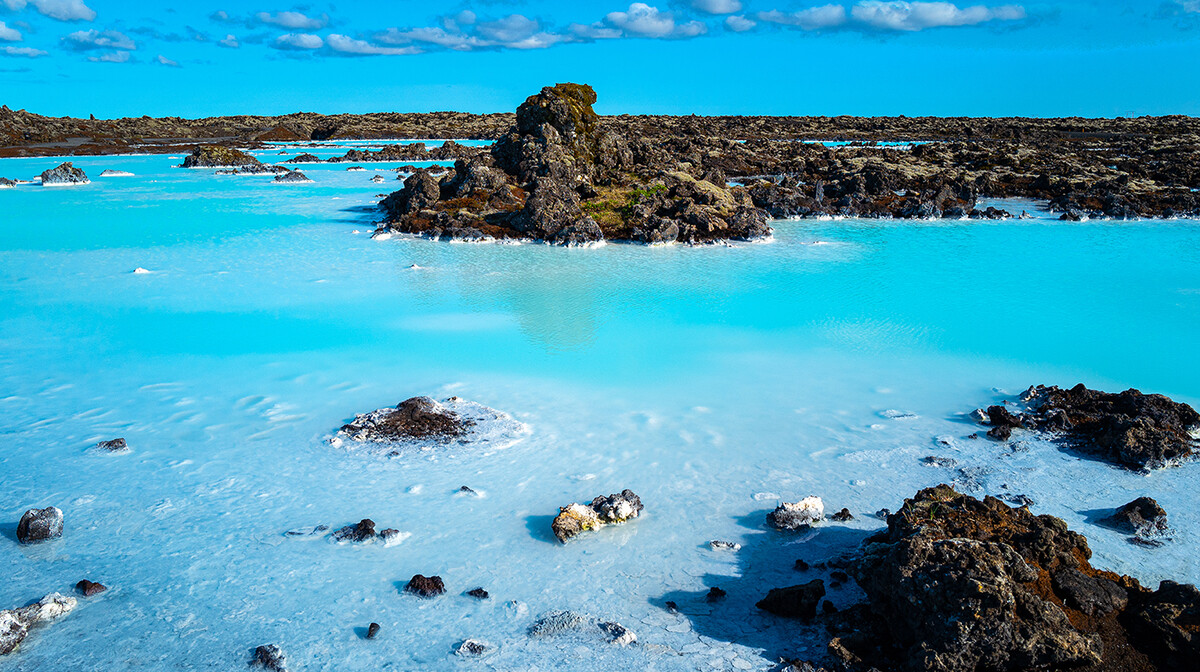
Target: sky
{"points": [[114, 58]]}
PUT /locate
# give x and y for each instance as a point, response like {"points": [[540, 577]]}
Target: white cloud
{"points": [[64, 10], [351, 47], [292, 20], [717, 6], [14, 5], [595, 31], [1190, 6], [914, 16], [230, 42], [512, 28], [112, 57], [85, 40], [814, 18], [298, 42], [163, 60], [441, 37], [9, 34], [642, 20], [739, 24], [27, 52]]}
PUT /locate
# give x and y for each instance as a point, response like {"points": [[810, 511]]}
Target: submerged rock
{"points": [[791, 516], [115, 173], [6, 183], [114, 446], [215, 156], [90, 588], [558, 622], [474, 648], [478, 593], [15, 624], [719, 545], [425, 586], [40, 525], [575, 519], [64, 174], [794, 602], [270, 657]]}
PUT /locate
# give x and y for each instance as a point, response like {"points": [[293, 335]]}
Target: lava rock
{"points": [[478, 593], [40, 525], [1163, 625], [797, 515], [89, 588], [719, 545], [1142, 517], [795, 601], [293, 177], [64, 174], [558, 622], [1092, 595], [372, 631], [15, 624], [474, 648], [842, 516], [364, 530], [715, 594], [415, 418], [215, 156], [617, 634], [425, 586], [114, 446], [574, 519], [270, 657]]}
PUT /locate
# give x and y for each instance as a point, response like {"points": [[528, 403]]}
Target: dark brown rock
{"points": [[795, 601], [425, 586], [89, 588]]}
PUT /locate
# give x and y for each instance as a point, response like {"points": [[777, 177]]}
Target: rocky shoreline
{"points": [[791, 166]]}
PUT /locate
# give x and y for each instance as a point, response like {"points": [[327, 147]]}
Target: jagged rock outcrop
{"points": [[292, 177], [574, 519], [557, 176], [1129, 429], [64, 174], [956, 584], [216, 156]]}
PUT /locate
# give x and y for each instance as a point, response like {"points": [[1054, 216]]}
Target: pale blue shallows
{"points": [[715, 382]]}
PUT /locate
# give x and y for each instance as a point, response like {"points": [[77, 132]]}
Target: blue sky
{"points": [[862, 57]]}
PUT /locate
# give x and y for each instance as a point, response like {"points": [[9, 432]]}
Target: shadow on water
{"points": [[539, 529], [767, 560], [9, 531]]}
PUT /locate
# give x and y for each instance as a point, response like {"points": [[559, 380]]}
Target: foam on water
{"points": [[715, 382]]}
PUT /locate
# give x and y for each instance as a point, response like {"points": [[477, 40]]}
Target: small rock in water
{"points": [[798, 515], [575, 519], [64, 174], [474, 648], [1019, 500], [558, 622], [801, 565], [363, 531], [391, 537], [40, 525], [935, 461], [16, 623], [478, 593], [842, 516], [372, 630], [671, 606], [715, 594], [141, 271], [979, 415], [882, 514], [89, 588], [718, 545], [795, 601], [1142, 517], [314, 531], [114, 446], [617, 633], [292, 176], [899, 415], [270, 657], [425, 586], [115, 173]]}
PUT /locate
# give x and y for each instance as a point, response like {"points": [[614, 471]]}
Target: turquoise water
{"points": [[712, 381]]}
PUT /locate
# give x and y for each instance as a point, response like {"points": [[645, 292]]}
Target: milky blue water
{"points": [[713, 381]]}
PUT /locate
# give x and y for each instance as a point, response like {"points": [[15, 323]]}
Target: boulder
{"points": [[90, 588], [40, 525], [794, 602], [1164, 624], [64, 174], [1142, 517], [270, 657], [15, 624], [575, 519], [791, 516], [425, 586]]}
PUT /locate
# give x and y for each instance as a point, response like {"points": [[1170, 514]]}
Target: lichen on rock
{"points": [[575, 519]]}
